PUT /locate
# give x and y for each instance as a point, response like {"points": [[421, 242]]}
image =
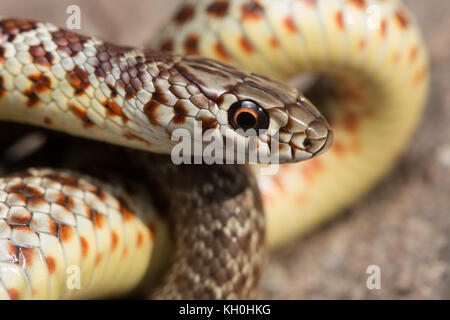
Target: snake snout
{"points": [[311, 133], [319, 137]]}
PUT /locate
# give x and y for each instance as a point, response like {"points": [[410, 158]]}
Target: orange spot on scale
{"points": [[246, 45], [98, 259], [65, 232], [140, 239], [82, 114], [277, 181], [13, 294], [338, 148], [413, 54], [302, 199], [309, 3], [311, 169], [84, 247], [401, 18], [221, 52], [419, 76], [125, 251], [113, 108], [26, 255], [383, 27], [99, 220], [359, 4], [362, 44], [289, 24], [51, 264], [127, 214], [114, 239], [339, 20], [252, 10], [351, 122], [34, 292], [273, 42]]}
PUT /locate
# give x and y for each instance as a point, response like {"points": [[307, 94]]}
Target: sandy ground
{"points": [[403, 225]]}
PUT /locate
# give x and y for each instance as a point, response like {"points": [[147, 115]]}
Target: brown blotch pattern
{"points": [[10, 28], [184, 14], [78, 79], [114, 110], [40, 84], [252, 10], [246, 45], [114, 92], [48, 121], [402, 19], [180, 113], [69, 42], [167, 45], [221, 52], [191, 44], [107, 56], [150, 111], [218, 8], [133, 76], [40, 56]]}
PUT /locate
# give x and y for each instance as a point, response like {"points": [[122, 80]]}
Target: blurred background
{"points": [[403, 225]]}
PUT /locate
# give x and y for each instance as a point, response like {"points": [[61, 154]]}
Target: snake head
{"points": [[258, 113]]}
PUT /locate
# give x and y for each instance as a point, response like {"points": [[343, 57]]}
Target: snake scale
{"points": [[117, 234]]}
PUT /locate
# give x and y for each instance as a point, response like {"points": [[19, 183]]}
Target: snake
{"points": [[191, 231]]}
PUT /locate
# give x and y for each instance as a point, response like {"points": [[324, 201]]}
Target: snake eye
{"points": [[248, 115]]}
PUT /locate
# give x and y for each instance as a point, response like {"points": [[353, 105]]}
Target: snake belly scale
{"points": [[373, 81]]}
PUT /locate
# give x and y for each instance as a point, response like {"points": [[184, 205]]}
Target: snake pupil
{"points": [[246, 120]]}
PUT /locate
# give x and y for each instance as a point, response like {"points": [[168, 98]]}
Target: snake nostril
{"points": [[307, 143]]}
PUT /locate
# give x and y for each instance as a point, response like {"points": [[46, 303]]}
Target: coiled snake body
{"points": [[56, 224]]}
